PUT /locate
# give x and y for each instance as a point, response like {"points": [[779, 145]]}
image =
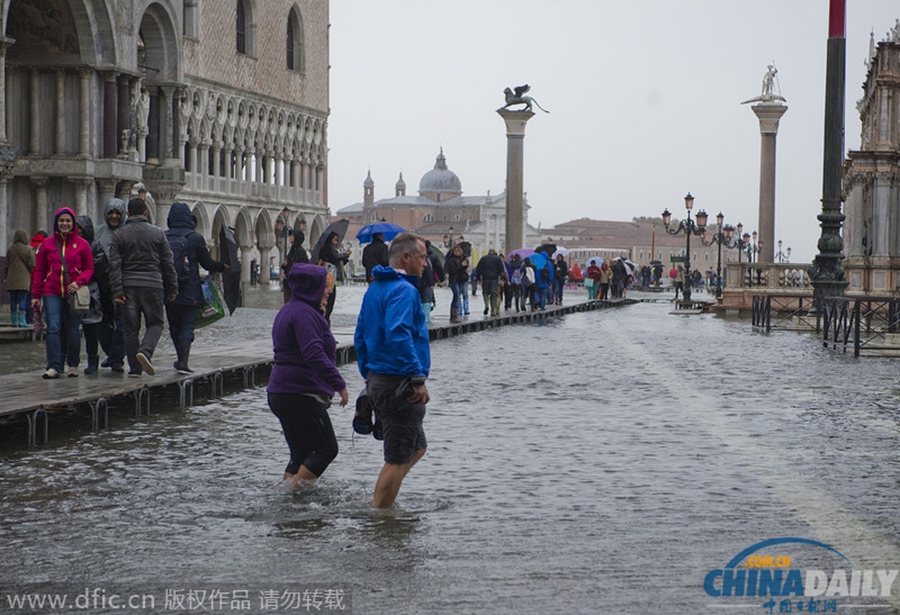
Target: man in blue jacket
{"points": [[188, 250], [393, 354]]}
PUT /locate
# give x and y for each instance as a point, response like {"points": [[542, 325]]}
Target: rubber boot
{"points": [[22, 320], [93, 364], [454, 315], [13, 319], [183, 350]]}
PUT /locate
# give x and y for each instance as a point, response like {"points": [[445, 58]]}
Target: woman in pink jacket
{"points": [[50, 283]]}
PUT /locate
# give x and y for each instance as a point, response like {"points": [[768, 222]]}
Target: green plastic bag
{"points": [[212, 309]]}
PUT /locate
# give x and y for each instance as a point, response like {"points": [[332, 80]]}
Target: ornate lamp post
{"points": [[688, 227], [724, 237], [783, 257]]}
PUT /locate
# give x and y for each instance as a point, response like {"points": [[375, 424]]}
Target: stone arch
{"points": [[203, 226], [82, 30], [220, 218], [161, 44], [265, 230], [243, 227]]}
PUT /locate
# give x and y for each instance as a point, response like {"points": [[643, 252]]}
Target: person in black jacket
{"points": [[376, 253], [491, 271], [457, 266], [297, 254], [189, 248]]}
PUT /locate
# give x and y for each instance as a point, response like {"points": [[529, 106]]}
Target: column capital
{"points": [[515, 121], [768, 115], [39, 181]]}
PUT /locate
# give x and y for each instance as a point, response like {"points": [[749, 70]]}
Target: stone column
{"points": [[107, 191], [42, 213], [515, 175], [264, 264], [123, 121], [881, 217], [245, 263], [81, 194], [4, 43], [61, 122], [34, 140], [110, 115], [768, 114], [84, 135]]}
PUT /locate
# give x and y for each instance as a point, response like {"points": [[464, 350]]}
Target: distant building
{"points": [[439, 212], [642, 242], [871, 230]]}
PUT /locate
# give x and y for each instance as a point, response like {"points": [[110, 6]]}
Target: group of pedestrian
{"points": [[108, 282]]}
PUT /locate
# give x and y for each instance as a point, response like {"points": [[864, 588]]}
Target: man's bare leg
{"points": [[302, 478], [389, 480]]}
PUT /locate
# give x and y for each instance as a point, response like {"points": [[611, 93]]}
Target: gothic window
{"points": [[429, 218], [245, 27], [192, 19], [241, 27], [457, 218], [295, 41]]}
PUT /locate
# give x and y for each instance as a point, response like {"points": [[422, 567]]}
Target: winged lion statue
{"points": [[517, 97]]}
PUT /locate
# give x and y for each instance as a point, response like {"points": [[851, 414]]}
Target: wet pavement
{"points": [[601, 462]]}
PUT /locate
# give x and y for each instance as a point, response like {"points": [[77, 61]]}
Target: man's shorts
{"points": [[401, 420]]}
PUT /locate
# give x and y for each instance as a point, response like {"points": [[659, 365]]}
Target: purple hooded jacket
{"points": [[304, 345]]}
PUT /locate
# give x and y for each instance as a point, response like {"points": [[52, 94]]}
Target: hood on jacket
{"points": [[180, 216], [111, 204], [37, 239], [61, 211], [20, 236], [299, 237], [307, 283], [85, 228]]}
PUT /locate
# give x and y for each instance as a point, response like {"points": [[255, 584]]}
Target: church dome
{"points": [[440, 180]]}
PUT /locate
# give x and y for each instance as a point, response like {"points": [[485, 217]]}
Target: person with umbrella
{"points": [[330, 253], [189, 253], [376, 253]]}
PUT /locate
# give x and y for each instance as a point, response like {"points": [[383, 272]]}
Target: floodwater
{"points": [[601, 462]]}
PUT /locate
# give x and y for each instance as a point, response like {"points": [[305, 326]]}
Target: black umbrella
{"points": [[339, 227], [549, 248], [231, 279]]}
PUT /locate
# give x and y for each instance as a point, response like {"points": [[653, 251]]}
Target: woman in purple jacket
{"points": [[305, 375]]}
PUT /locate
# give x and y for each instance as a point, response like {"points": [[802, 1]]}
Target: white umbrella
{"points": [[564, 252]]}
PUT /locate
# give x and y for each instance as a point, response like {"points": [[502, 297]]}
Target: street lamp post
{"points": [[724, 237], [783, 257], [688, 227]]}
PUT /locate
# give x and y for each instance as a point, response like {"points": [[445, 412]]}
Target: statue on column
{"points": [[518, 97], [769, 86]]}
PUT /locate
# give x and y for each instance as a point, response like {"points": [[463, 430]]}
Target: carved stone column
{"points": [[6, 175], [123, 117], [34, 132], [110, 115], [61, 122], [4, 43], [203, 163], [107, 191], [84, 135], [167, 123]]}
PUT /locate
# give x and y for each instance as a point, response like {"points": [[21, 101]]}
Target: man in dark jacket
{"points": [[297, 254], [189, 248], [376, 253], [490, 269], [142, 277]]}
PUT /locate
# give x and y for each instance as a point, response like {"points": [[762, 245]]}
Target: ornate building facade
{"points": [[222, 104], [872, 178]]}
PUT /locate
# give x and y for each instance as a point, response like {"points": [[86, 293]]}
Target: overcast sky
{"points": [[644, 98]]}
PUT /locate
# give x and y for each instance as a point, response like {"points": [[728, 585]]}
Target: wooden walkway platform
{"points": [[36, 398]]}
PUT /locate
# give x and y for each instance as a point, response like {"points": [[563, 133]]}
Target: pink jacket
{"points": [[47, 277]]}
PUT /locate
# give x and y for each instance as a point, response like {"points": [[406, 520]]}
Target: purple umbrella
{"points": [[522, 252]]}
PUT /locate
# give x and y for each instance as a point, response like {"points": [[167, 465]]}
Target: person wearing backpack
{"points": [[188, 254]]}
